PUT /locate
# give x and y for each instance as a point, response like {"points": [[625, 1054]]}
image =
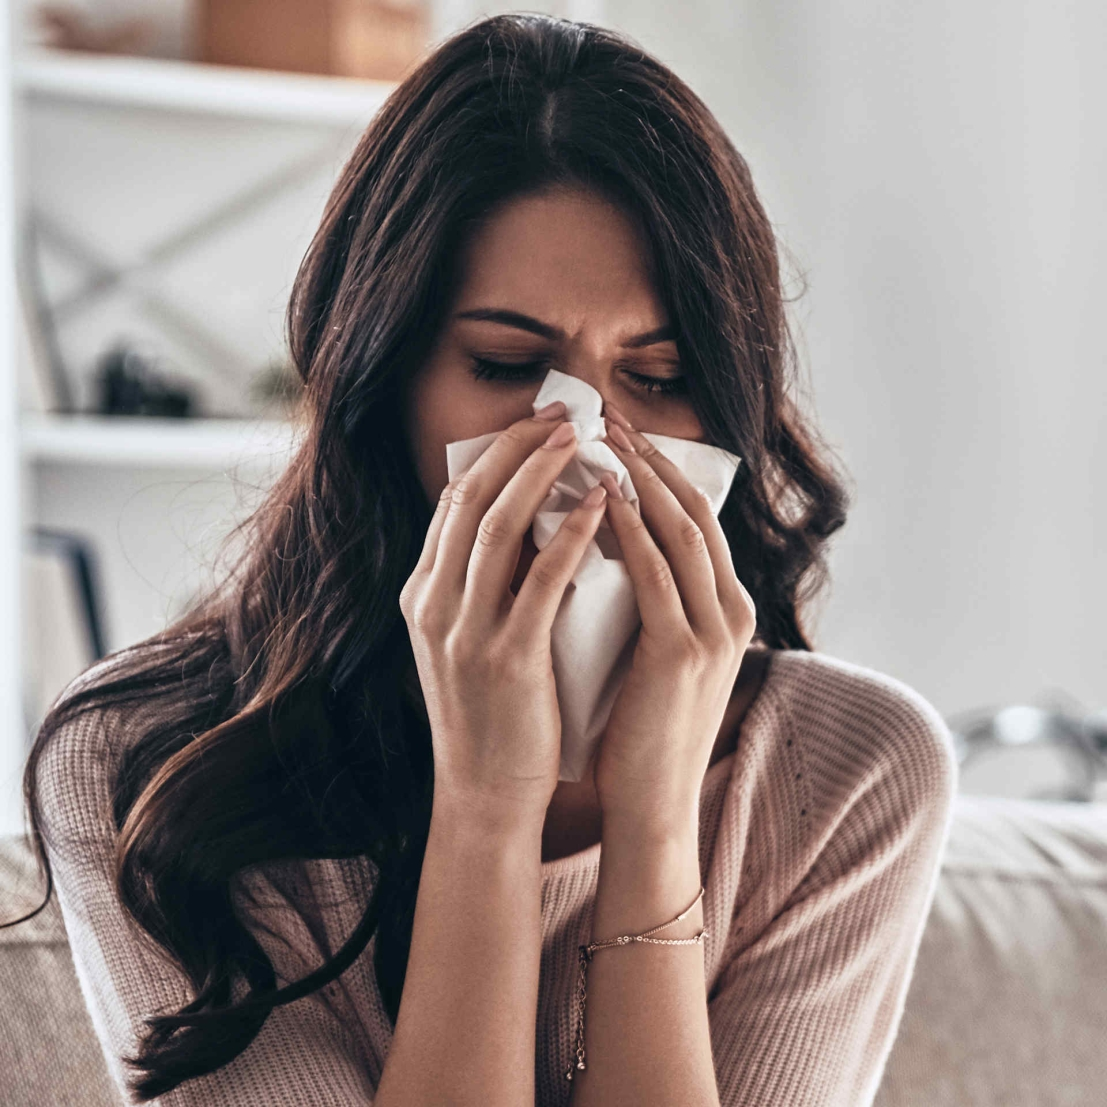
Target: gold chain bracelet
{"points": [[624, 939]]}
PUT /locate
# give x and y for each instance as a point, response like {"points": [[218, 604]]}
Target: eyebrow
{"points": [[523, 322]]}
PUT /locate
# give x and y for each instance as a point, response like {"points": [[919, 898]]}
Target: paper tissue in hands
{"points": [[596, 626]]}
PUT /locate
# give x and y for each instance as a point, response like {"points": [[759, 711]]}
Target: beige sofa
{"points": [[1007, 1007]]}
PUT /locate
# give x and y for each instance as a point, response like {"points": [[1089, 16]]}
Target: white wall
{"points": [[936, 170], [939, 172]]}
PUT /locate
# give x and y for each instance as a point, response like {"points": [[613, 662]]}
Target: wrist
{"points": [[483, 820], [644, 881], [637, 854], [651, 825]]}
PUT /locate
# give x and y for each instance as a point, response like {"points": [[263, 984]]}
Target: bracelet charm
{"points": [[588, 951]]}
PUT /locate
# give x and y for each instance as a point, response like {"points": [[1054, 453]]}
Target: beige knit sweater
{"points": [[819, 845]]}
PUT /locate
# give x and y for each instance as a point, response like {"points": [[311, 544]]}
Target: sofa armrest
{"points": [[49, 1053], [1009, 997]]}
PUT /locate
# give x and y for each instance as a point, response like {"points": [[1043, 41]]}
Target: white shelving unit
{"points": [[144, 441], [114, 452], [11, 715], [181, 86], [178, 86], [194, 87]]}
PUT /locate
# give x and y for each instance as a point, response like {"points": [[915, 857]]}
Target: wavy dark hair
{"points": [[281, 715]]}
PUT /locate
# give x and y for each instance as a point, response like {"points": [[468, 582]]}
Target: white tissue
{"points": [[596, 626]]}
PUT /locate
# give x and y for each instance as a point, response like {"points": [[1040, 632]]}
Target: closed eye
{"points": [[486, 369]]}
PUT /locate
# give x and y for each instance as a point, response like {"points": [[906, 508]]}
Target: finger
{"points": [[434, 530], [549, 574], [655, 589], [479, 487], [415, 583], [729, 588], [675, 531], [499, 538]]}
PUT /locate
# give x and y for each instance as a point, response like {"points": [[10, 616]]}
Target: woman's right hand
{"points": [[483, 655]]}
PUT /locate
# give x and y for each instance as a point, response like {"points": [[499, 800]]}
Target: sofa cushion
{"points": [[1008, 1002], [1006, 1005], [49, 1053]]}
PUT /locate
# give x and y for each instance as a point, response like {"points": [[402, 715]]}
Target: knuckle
{"points": [[464, 491], [747, 611], [658, 573], [691, 537], [546, 575], [460, 651], [576, 522], [741, 617], [542, 461], [423, 617], [445, 497], [532, 466], [407, 596], [516, 434], [634, 524], [493, 530]]}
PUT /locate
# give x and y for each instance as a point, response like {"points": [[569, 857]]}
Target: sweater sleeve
{"points": [[805, 1009], [302, 1055]]}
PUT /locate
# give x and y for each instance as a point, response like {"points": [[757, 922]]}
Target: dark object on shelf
{"points": [[62, 627], [126, 385], [79, 555], [377, 39], [67, 27]]}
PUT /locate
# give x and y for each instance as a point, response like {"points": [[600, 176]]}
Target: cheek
{"points": [[426, 423], [447, 405], [687, 422], [676, 419]]}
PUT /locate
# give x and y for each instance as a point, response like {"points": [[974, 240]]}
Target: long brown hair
{"points": [[281, 716]]}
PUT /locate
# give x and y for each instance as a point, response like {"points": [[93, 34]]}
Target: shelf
{"points": [[147, 441], [185, 86]]}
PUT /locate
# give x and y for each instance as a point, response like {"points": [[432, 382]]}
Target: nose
{"points": [[595, 368]]}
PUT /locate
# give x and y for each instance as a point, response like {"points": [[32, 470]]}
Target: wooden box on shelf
{"points": [[379, 39]]}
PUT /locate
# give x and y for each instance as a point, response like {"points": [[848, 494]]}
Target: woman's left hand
{"points": [[697, 620]]}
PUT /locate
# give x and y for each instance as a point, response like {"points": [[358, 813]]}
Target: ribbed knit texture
{"points": [[820, 838]]}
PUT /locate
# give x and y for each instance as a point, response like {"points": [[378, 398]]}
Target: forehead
{"points": [[560, 255]]}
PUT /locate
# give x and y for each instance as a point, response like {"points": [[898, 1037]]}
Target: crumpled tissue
{"points": [[596, 626]]}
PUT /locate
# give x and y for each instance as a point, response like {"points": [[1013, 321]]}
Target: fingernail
{"points": [[607, 479], [620, 437], [595, 497], [615, 414], [551, 411], [561, 436]]}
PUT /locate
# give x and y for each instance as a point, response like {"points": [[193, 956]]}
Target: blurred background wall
{"points": [[938, 171], [935, 173]]}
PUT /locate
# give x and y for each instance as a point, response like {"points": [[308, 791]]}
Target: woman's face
{"points": [[556, 280]]}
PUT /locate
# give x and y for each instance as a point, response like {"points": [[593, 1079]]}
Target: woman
{"points": [[310, 843]]}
